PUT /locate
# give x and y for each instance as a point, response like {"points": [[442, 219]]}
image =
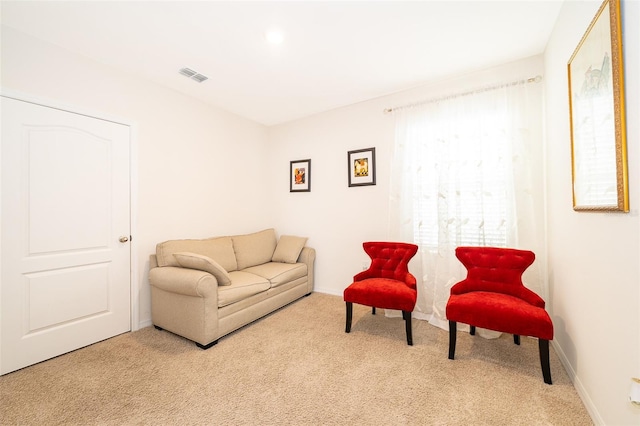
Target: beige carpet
{"points": [[296, 366]]}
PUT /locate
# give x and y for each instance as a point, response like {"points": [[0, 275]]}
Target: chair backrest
{"points": [[390, 259], [494, 268]]}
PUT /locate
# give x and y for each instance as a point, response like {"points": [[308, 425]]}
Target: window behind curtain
{"points": [[462, 196], [467, 170]]}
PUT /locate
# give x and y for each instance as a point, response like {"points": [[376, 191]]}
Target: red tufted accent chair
{"points": [[493, 297], [387, 284]]}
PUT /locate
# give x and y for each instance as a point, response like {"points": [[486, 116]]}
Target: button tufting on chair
{"points": [[492, 296], [387, 284]]}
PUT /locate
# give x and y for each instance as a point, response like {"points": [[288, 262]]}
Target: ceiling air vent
{"points": [[188, 72], [193, 75], [199, 78]]}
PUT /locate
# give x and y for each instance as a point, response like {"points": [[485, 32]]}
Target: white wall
{"points": [[593, 257], [195, 179], [594, 274], [199, 169], [336, 218]]}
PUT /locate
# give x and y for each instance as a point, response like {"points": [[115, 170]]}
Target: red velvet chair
{"points": [[493, 297], [387, 284]]}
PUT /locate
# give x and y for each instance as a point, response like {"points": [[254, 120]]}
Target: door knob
{"points": [[123, 239]]}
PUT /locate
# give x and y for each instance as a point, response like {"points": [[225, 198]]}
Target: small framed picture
{"points": [[300, 176], [362, 167]]}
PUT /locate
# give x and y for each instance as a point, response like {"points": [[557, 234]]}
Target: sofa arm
{"points": [[188, 282], [185, 302], [308, 257]]}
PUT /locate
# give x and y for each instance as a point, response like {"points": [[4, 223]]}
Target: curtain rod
{"points": [[535, 79]]}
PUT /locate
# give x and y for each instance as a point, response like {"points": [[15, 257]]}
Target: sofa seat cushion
{"points": [[243, 285], [279, 273]]}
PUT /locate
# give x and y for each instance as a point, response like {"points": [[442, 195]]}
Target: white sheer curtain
{"points": [[467, 170]]}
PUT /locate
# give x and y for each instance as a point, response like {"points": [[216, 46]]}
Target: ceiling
{"points": [[334, 53]]}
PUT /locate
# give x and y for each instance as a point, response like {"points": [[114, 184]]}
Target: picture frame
{"points": [[597, 115], [361, 167], [300, 176]]}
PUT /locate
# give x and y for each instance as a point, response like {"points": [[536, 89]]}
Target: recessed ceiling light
{"points": [[274, 36]]}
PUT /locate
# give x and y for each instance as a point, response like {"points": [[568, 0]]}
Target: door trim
{"points": [[134, 320]]}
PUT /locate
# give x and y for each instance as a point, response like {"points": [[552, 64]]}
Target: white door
{"points": [[65, 229]]}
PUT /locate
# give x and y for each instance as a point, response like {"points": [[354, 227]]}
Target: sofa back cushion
{"points": [[254, 249], [219, 249]]}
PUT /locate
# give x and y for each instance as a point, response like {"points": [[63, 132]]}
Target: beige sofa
{"points": [[205, 289]]}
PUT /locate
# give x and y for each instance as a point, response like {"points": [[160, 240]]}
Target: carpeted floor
{"points": [[297, 366]]}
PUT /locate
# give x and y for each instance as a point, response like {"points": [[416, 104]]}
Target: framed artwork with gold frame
{"points": [[597, 114]]}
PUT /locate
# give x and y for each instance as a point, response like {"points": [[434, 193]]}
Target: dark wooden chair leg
{"points": [[407, 320], [516, 339], [373, 310], [543, 346], [349, 316], [452, 339], [472, 330]]}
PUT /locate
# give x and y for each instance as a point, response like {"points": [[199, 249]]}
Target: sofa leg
{"points": [[407, 320], [472, 330], [543, 346], [373, 310], [347, 328], [452, 339], [208, 345], [516, 339]]}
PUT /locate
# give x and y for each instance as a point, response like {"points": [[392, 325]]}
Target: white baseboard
{"points": [[144, 324], [327, 291], [582, 392]]}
